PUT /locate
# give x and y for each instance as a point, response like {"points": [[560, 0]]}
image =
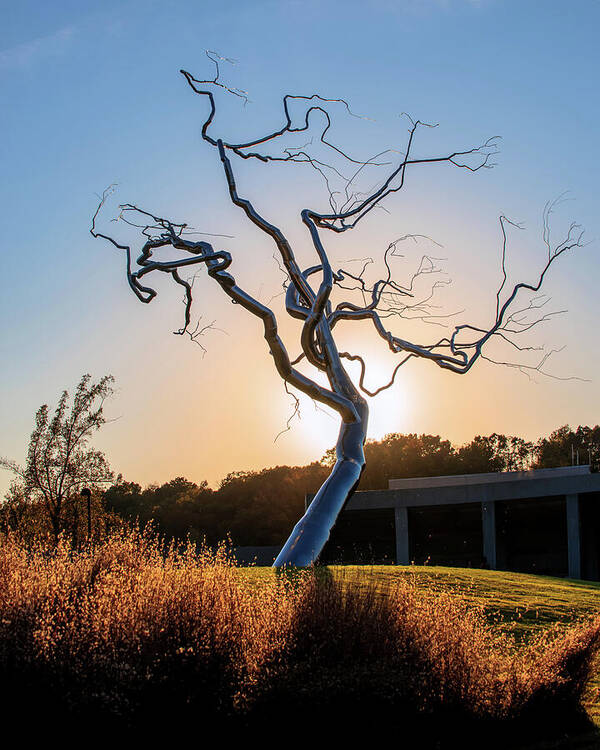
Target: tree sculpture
{"points": [[309, 291]]}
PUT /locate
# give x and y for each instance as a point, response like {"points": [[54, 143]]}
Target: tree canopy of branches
{"points": [[59, 461], [320, 296]]}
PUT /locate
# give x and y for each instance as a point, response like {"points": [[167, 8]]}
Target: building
{"points": [[545, 521]]}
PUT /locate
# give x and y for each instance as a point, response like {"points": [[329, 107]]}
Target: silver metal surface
{"points": [[310, 301]]}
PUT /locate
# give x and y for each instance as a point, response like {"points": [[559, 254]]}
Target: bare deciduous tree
{"points": [[310, 291], [59, 462]]}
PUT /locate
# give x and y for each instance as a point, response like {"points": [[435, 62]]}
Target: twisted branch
{"points": [[312, 304], [217, 263]]}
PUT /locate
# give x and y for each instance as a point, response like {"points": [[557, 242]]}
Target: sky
{"points": [[92, 96]]}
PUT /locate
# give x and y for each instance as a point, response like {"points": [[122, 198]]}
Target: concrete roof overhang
{"points": [[479, 488]]}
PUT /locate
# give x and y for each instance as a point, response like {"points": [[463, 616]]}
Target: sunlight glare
{"points": [[390, 411]]}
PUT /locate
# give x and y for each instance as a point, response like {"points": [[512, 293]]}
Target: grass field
{"points": [[516, 603], [129, 631]]}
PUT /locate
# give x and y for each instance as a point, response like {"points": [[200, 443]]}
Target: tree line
{"points": [[259, 507], [49, 496]]}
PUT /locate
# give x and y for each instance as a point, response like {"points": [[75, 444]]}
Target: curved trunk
{"points": [[310, 534]]}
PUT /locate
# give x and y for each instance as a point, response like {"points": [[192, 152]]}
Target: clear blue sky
{"points": [[91, 95]]}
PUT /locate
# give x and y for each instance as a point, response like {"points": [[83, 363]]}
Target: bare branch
{"points": [[530, 370], [217, 263], [363, 368], [463, 354], [295, 413], [309, 293]]}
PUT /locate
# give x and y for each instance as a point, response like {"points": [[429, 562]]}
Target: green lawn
{"points": [[515, 602]]}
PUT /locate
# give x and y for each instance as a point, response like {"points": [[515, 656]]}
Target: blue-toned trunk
{"points": [[312, 531]]}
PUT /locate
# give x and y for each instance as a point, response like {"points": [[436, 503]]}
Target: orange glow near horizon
{"points": [[178, 412]]}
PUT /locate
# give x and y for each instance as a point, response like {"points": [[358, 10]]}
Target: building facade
{"points": [[545, 521]]}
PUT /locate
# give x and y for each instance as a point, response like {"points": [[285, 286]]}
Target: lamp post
{"points": [[85, 492]]}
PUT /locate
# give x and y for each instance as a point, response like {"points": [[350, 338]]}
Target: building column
{"points": [[488, 520], [573, 536], [401, 519]]}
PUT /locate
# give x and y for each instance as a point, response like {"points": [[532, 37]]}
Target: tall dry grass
{"points": [[130, 630]]}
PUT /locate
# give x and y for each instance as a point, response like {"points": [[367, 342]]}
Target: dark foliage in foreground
{"points": [[130, 633]]}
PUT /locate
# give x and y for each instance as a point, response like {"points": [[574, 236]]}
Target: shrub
{"points": [[132, 629]]}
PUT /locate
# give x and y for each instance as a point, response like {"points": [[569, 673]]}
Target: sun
{"points": [[390, 411]]}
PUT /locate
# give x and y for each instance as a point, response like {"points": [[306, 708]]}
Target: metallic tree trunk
{"points": [[310, 534], [312, 304]]}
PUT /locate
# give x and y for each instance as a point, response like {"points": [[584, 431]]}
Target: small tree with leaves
{"points": [[60, 462], [322, 298]]}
